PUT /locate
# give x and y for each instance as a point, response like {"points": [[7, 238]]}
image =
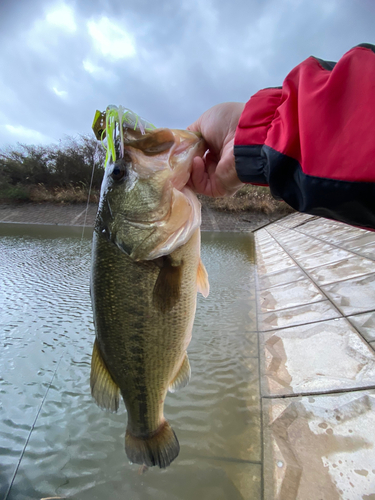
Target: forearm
{"points": [[313, 140]]}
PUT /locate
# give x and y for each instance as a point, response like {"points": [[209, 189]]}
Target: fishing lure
{"points": [[106, 123]]}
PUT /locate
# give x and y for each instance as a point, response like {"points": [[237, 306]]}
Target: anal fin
{"points": [[103, 389], [183, 376], [202, 280]]}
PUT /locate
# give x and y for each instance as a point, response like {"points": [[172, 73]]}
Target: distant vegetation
{"points": [[56, 173], [250, 199], [61, 173]]}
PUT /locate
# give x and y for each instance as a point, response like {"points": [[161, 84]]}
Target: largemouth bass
{"points": [[146, 271]]}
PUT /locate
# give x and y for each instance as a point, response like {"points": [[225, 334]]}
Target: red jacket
{"points": [[313, 139]]}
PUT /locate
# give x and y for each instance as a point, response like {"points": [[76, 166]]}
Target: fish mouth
{"points": [[185, 140]]}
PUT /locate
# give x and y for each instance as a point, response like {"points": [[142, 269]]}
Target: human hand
{"points": [[215, 174]]}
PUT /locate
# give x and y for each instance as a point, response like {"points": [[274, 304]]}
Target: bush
{"points": [[70, 194], [29, 172], [14, 193], [250, 199]]}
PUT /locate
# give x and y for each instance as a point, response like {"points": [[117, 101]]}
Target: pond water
{"points": [[55, 441]]}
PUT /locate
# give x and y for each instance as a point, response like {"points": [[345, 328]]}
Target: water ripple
{"points": [[75, 449]]}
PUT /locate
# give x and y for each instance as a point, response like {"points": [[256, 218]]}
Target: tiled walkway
{"points": [[316, 317]]}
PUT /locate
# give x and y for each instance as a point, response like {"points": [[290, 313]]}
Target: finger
{"points": [[193, 127], [198, 176], [200, 179], [211, 162]]}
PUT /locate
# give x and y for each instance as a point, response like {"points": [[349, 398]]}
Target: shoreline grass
{"points": [[39, 193], [253, 199]]}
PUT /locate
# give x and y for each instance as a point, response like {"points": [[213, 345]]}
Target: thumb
{"points": [[195, 126]]}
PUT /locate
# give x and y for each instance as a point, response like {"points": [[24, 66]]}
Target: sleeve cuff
{"points": [[251, 135], [250, 165]]}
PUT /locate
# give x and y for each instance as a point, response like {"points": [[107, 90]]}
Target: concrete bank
{"points": [[80, 214], [316, 323]]}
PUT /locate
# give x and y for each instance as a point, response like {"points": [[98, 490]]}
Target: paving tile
{"points": [[332, 232], [309, 246], [276, 228], [294, 219], [365, 324], [290, 295], [359, 241], [354, 295], [281, 277], [262, 234], [320, 357], [310, 258], [366, 250], [310, 313], [264, 243], [264, 247], [342, 270], [320, 448], [277, 265], [317, 226], [318, 229], [271, 251], [287, 236], [338, 235], [267, 248], [274, 257]]}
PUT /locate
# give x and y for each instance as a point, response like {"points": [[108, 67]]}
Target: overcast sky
{"points": [[167, 60]]}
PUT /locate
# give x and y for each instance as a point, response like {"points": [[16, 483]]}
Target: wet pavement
{"points": [[316, 322]]}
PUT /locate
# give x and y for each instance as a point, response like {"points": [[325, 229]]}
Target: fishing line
{"points": [[31, 430], [88, 201]]}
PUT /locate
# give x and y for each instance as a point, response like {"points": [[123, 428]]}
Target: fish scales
{"points": [[134, 334]]}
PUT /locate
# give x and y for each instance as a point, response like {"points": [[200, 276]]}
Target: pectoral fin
{"points": [[183, 376], [103, 389], [202, 280], [167, 289]]}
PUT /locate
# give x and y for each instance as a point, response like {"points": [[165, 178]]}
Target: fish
{"points": [[145, 274]]}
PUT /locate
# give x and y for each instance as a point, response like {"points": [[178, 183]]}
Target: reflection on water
{"points": [[54, 440]]}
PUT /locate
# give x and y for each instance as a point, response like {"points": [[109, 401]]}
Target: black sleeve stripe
{"points": [[329, 65], [350, 202], [367, 46], [250, 164]]}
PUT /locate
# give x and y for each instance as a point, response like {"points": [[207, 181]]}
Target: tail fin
{"points": [[160, 449]]}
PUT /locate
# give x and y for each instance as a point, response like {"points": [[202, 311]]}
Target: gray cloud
{"points": [[187, 56]]}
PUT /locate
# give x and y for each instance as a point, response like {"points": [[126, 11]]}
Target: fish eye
{"points": [[119, 171]]}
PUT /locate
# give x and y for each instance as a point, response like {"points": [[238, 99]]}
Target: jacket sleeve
{"points": [[313, 139]]}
